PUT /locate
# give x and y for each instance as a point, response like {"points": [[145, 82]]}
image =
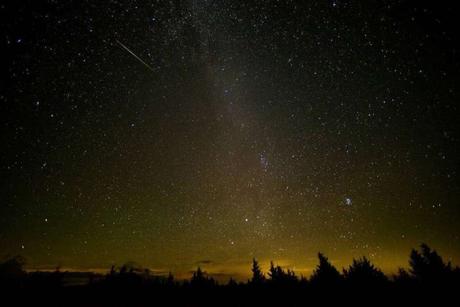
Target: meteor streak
{"points": [[134, 55]]}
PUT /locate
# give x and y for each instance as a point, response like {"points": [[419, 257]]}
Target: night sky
{"points": [[184, 133]]}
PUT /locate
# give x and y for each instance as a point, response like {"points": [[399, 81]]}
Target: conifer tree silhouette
{"points": [[200, 279], [363, 272], [257, 274], [279, 276], [325, 273], [427, 265], [198, 275]]}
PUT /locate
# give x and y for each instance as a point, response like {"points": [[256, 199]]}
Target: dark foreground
{"points": [[428, 280]]}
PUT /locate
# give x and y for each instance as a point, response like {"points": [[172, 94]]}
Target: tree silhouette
{"points": [[275, 272], [363, 272], [279, 276], [130, 285], [325, 273], [112, 270], [198, 275], [257, 274], [200, 279], [427, 265]]}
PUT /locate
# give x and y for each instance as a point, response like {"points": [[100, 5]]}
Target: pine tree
{"points": [[362, 271], [427, 265], [257, 275], [325, 272]]}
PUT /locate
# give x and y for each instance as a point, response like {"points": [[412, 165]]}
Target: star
{"points": [[348, 201]]}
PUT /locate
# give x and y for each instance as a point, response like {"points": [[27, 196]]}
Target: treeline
{"points": [[428, 276]]}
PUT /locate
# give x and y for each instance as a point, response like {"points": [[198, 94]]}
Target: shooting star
{"points": [[134, 55]]}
